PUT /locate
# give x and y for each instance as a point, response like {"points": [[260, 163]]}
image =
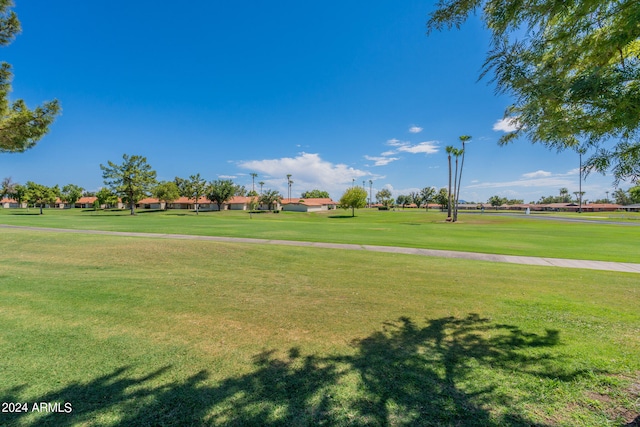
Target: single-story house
{"points": [[86, 202], [150, 203], [11, 203], [241, 203], [308, 205], [469, 206], [182, 203], [204, 204]]}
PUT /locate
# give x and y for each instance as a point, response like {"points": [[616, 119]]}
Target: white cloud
{"points": [[381, 161], [427, 147], [415, 129], [537, 174], [539, 178], [506, 125], [536, 182], [574, 171], [227, 176], [308, 171]]}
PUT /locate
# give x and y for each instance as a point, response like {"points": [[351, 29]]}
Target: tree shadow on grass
{"points": [[341, 216], [403, 375]]}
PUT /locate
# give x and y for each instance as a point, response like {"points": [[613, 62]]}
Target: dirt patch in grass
{"points": [[622, 405]]}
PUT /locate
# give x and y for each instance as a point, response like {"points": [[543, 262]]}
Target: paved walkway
{"points": [[511, 259]]}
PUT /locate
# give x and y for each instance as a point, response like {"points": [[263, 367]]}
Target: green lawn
{"points": [[504, 234], [134, 331]]}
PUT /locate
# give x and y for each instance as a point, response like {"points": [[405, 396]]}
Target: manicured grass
{"points": [[500, 234], [134, 331]]}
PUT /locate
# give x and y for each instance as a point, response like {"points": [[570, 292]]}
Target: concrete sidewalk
{"points": [[510, 259]]}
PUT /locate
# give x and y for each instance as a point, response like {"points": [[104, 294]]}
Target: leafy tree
{"points": [[415, 197], [269, 198], [384, 197], [167, 192], [71, 193], [106, 197], [132, 180], [182, 185], [442, 198], [572, 69], [496, 201], [253, 201], [41, 195], [634, 194], [403, 200], [19, 194], [239, 190], [315, 194], [195, 188], [20, 127], [7, 186], [621, 197], [428, 194], [221, 191], [354, 198], [547, 200]]}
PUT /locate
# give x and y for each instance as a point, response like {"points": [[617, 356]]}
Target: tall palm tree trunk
{"points": [[455, 185], [455, 211], [449, 192]]}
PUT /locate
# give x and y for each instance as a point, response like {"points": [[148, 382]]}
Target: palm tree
{"points": [[457, 153], [370, 191], [463, 139], [449, 149], [261, 183], [253, 177], [564, 195], [289, 182], [270, 197]]}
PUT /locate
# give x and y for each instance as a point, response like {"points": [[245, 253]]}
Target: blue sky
{"points": [[329, 92]]}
